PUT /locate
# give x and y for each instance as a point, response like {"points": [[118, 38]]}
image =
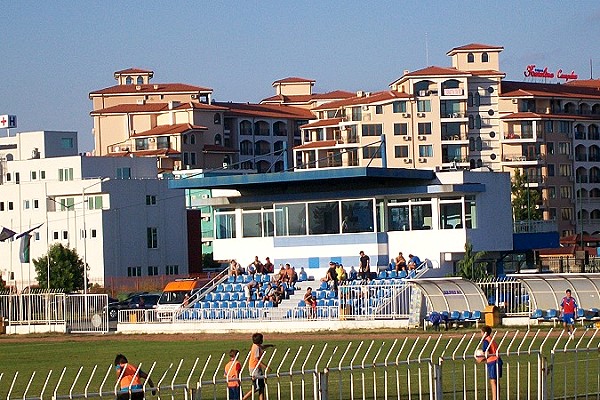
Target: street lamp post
{"points": [[84, 205]]}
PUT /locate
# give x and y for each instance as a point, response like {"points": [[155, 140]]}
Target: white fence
{"points": [[508, 294], [72, 312], [536, 366]]}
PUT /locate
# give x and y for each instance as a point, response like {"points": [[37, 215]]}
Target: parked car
{"points": [[135, 301]]}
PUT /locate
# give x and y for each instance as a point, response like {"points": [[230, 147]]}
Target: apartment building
{"points": [[467, 116], [119, 217]]}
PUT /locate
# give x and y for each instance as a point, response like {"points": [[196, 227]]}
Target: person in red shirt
{"points": [[232, 374], [568, 308], [129, 379], [492, 360]]}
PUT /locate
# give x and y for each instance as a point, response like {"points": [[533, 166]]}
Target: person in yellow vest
{"points": [[257, 367], [232, 374], [129, 379]]}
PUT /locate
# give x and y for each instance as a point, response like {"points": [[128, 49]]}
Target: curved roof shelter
{"points": [[452, 294], [546, 291]]}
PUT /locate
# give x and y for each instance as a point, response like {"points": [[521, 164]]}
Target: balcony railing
{"points": [[453, 115], [521, 157], [534, 226], [454, 137], [516, 136], [458, 160]]}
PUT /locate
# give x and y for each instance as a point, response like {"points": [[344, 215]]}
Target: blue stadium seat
{"points": [[331, 294], [247, 278], [324, 286], [223, 304], [209, 297], [321, 303], [216, 297], [402, 274], [219, 288], [231, 279], [268, 304], [259, 304], [301, 303], [382, 275], [251, 304], [239, 279], [537, 314], [226, 296], [331, 302], [227, 287], [321, 294], [235, 296], [266, 278]]}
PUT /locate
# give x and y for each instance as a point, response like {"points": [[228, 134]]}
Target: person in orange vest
{"points": [[129, 379], [257, 367], [232, 374], [492, 360]]}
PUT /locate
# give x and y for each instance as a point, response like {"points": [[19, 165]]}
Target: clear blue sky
{"points": [[56, 52]]}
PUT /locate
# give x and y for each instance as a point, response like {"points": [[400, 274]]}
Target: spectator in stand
{"points": [[289, 274], [250, 288], [311, 302], [294, 277], [268, 267], [353, 274], [341, 273], [258, 266], [281, 276], [234, 268], [391, 265], [269, 294], [400, 262], [279, 294], [331, 276], [303, 276], [413, 261], [403, 273], [251, 269], [364, 270]]}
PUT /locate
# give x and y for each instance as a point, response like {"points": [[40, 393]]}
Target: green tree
{"points": [[66, 269], [208, 261], [524, 199], [470, 267]]}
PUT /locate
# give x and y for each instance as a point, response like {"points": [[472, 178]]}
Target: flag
{"points": [[24, 251], [28, 231], [6, 234]]}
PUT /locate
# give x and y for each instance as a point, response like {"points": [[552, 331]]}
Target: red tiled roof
{"points": [[155, 107], [132, 108], [474, 46], [566, 250], [293, 79], [133, 71], [304, 99], [266, 110], [213, 148], [169, 130], [377, 97], [149, 88], [433, 70], [576, 239], [516, 89], [336, 94], [323, 122], [316, 145], [590, 83], [145, 153], [485, 72]]}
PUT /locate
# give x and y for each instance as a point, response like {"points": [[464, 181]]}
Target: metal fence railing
{"points": [[77, 312], [508, 294], [536, 366]]}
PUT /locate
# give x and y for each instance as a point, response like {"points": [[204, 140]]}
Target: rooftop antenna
{"points": [[591, 69], [426, 50]]}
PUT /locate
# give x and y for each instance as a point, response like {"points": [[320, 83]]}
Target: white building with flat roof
{"points": [[122, 220]]}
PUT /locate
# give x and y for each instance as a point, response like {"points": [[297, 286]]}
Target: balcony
{"points": [[535, 226], [453, 115], [453, 138], [520, 158], [458, 160], [527, 135], [452, 92]]}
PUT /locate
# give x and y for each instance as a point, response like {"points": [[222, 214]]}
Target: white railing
{"points": [[536, 365], [508, 294]]}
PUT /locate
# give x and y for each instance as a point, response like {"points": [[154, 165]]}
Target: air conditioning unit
{"points": [[422, 160], [422, 137], [365, 108], [407, 161], [194, 96], [116, 148], [421, 115], [406, 138], [405, 115], [515, 101], [140, 102], [422, 92], [152, 140]]}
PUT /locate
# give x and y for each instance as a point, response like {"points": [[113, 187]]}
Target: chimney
{"points": [[155, 87]]}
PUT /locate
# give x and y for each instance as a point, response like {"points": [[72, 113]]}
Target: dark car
{"points": [[143, 301]]}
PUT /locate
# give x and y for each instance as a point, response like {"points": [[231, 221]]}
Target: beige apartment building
{"points": [[466, 116], [183, 128]]}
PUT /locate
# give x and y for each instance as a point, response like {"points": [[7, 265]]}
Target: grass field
{"points": [[295, 352]]}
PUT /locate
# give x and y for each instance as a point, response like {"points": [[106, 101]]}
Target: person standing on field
{"points": [[232, 374], [257, 367], [129, 379], [568, 308], [492, 360]]}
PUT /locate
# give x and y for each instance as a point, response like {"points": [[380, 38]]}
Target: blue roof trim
{"points": [[233, 181]]}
